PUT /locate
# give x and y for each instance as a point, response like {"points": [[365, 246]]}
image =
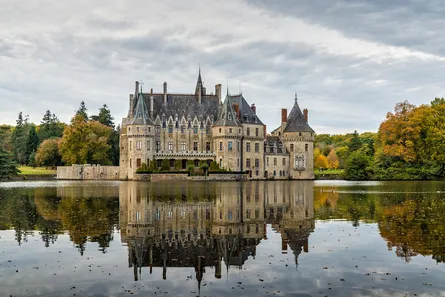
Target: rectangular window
{"points": [[257, 132], [158, 129], [158, 146], [139, 145], [229, 147], [248, 131], [195, 146], [148, 145], [170, 145], [267, 161], [284, 161], [220, 145], [138, 163], [138, 129], [237, 146], [275, 161], [257, 147], [248, 214], [248, 163], [182, 145], [248, 147], [306, 147], [130, 163], [207, 146], [257, 213], [170, 129], [195, 129], [230, 130], [257, 163], [207, 129], [292, 147], [182, 129]]}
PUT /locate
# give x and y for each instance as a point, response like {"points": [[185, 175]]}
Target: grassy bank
{"points": [[26, 170], [329, 174]]}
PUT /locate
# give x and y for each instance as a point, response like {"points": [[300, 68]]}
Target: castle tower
{"points": [[137, 139], [227, 135], [298, 138]]}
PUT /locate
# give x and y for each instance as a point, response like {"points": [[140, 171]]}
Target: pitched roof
{"points": [[247, 115], [141, 115], [183, 105], [296, 121], [226, 115]]}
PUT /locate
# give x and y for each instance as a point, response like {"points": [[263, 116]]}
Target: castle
{"points": [[201, 127]]}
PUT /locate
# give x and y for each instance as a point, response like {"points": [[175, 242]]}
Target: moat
{"points": [[280, 238]]}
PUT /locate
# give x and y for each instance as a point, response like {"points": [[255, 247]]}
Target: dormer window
{"points": [[229, 116], [255, 119]]}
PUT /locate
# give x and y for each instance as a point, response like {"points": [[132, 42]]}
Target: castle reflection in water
{"points": [[216, 225]]}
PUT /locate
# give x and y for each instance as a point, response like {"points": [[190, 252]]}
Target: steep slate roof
{"points": [[296, 122], [245, 110], [141, 115], [227, 116], [183, 105]]}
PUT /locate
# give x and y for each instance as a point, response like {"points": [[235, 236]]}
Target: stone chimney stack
{"points": [[131, 106], [218, 92], [165, 93], [305, 113], [283, 115], [204, 90], [199, 94], [265, 131], [253, 108], [151, 103], [136, 89]]}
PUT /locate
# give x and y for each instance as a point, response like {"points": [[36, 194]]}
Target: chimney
{"points": [[236, 108], [265, 131], [151, 103], [204, 90], [199, 94], [165, 93], [253, 108], [218, 92], [131, 106], [305, 113], [284, 115], [136, 89]]}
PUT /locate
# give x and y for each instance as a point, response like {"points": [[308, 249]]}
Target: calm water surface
{"points": [[214, 239]]}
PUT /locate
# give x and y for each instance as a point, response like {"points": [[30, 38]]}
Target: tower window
{"points": [[306, 147]]}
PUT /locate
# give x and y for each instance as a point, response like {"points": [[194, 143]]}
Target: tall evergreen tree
{"points": [[8, 167], [50, 127], [32, 141], [82, 111], [104, 117], [20, 138]]}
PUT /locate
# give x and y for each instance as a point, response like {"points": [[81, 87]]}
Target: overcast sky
{"points": [[350, 61]]}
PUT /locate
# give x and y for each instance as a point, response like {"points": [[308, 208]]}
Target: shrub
{"points": [[165, 165], [144, 169]]}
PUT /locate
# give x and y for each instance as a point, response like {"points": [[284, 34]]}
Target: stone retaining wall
{"points": [[88, 172], [184, 177]]}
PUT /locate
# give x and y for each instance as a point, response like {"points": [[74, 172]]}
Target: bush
{"points": [[144, 169], [358, 166], [165, 165], [178, 165]]}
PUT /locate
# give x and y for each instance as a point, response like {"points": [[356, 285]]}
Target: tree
{"points": [[85, 142], [19, 139], [321, 162], [50, 127], [8, 167], [48, 153], [354, 143], [32, 142], [82, 111], [332, 159], [358, 166], [165, 165], [104, 117]]}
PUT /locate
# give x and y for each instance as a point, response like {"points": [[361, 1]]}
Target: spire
{"points": [[296, 98], [199, 86], [141, 115]]}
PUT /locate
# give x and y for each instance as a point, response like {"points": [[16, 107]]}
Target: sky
{"points": [[349, 61]]}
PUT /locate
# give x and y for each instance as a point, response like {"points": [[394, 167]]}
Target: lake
{"points": [[265, 238]]}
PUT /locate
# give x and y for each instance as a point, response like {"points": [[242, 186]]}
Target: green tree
{"points": [[165, 165], [32, 142], [354, 143], [19, 139], [104, 117], [85, 142], [358, 166], [48, 153], [50, 127], [8, 167], [82, 111]]}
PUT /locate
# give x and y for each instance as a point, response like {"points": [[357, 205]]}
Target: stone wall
{"points": [[88, 172], [184, 176], [161, 177]]}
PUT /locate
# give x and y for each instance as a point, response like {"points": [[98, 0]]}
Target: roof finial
{"points": [[227, 86], [296, 98]]}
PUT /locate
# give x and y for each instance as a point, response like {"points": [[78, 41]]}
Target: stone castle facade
{"points": [[203, 127]]}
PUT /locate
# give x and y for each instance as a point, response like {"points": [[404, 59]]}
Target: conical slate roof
{"points": [[296, 121], [141, 115], [227, 116], [199, 86]]}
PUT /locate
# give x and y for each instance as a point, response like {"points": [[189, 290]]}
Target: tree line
{"points": [[409, 145], [86, 139]]}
